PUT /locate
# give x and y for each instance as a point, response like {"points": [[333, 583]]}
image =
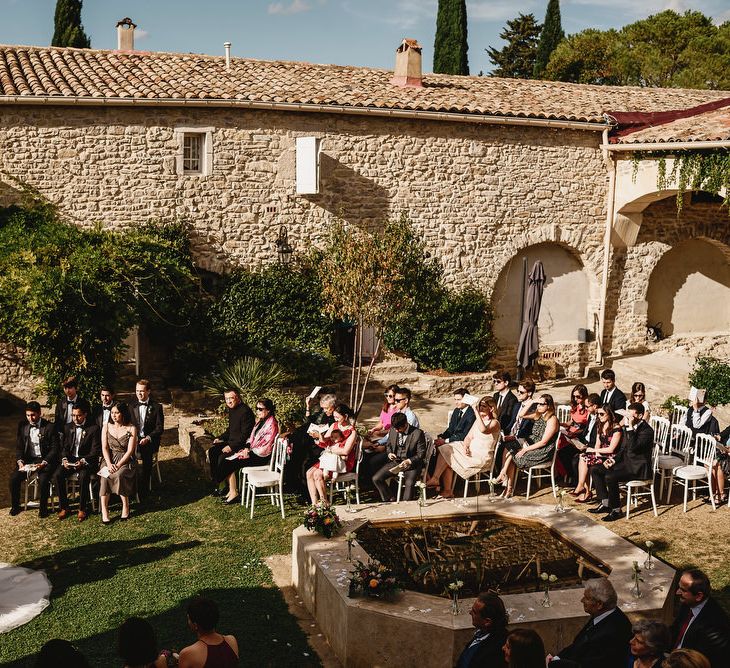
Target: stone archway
{"points": [[566, 299], [689, 289]]}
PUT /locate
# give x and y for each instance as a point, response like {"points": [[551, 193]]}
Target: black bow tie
{"points": [[144, 403], [35, 426]]}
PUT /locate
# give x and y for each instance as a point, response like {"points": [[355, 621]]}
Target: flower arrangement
{"points": [[321, 518], [453, 589], [560, 496], [548, 579], [373, 579], [421, 486], [649, 564], [636, 577], [348, 498], [350, 537], [492, 482]]}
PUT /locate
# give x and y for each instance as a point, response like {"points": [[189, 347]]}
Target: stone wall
{"points": [[16, 380]]}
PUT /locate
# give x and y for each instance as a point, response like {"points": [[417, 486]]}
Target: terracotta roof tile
{"points": [[708, 126], [62, 72]]}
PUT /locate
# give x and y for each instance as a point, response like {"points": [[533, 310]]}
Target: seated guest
{"points": [[569, 453], [315, 476], [603, 642], [700, 419], [407, 448], [537, 448], [505, 400], [686, 658], [489, 618], [211, 650], [462, 418], [232, 440], [403, 405], [648, 644], [611, 395], [118, 446], [608, 439], [521, 424], [470, 456], [137, 645], [79, 456], [36, 445], [59, 653], [721, 467], [148, 417], [701, 623], [573, 428], [633, 462], [638, 396], [524, 649], [102, 412], [65, 404], [257, 450], [379, 433]]}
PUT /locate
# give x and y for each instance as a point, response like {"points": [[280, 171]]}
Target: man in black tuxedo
{"points": [[633, 462], [37, 444], [406, 448], [701, 624], [65, 405], [79, 455], [148, 417], [604, 641], [102, 412], [489, 618], [611, 395], [233, 439], [569, 454], [505, 400], [462, 418]]}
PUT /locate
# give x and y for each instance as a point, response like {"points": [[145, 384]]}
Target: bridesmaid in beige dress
{"points": [[118, 446], [472, 455]]}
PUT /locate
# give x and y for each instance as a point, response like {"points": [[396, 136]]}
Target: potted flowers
{"points": [[649, 564], [373, 580], [636, 577], [322, 518], [454, 589], [548, 579]]}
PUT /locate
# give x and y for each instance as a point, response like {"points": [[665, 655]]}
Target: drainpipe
{"points": [[610, 205], [227, 47], [664, 146]]}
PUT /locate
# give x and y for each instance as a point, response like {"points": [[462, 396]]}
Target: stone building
{"points": [[494, 174]]}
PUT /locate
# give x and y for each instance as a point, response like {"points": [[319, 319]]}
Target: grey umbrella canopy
{"points": [[527, 348]]}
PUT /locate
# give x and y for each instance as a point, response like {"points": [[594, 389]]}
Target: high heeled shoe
{"points": [[586, 498]]}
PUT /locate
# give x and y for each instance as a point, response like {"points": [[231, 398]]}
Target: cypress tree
{"points": [[552, 34], [450, 47], [68, 28]]}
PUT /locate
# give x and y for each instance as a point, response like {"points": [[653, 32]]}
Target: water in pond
{"points": [[484, 551]]}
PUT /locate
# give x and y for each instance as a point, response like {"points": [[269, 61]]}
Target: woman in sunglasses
{"points": [[638, 396], [389, 407], [608, 439]]}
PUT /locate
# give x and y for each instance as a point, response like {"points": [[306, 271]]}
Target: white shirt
{"points": [[77, 444], [69, 410], [142, 417], [411, 417], [35, 439], [609, 394], [599, 618], [106, 413], [699, 417]]}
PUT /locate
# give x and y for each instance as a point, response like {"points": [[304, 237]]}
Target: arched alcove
{"points": [[689, 289], [565, 299]]}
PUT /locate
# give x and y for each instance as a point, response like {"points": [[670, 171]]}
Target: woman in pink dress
{"points": [[381, 429]]}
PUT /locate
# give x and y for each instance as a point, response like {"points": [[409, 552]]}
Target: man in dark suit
{"points": [[37, 445], [701, 624], [489, 618], [79, 455], [505, 400], [233, 439], [148, 417], [569, 454], [102, 412], [611, 395], [633, 462], [462, 418], [604, 641], [65, 405], [406, 449]]}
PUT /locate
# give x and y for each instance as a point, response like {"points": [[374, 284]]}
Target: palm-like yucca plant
{"points": [[249, 375]]}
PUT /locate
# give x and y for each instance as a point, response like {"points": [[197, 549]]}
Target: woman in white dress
{"points": [[472, 455]]}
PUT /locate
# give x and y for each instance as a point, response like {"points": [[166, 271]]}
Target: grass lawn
{"points": [[186, 543]]}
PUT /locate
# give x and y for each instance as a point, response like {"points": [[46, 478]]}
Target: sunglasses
{"points": [[521, 391], [401, 399], [389, 396], [577, 396], [601, 413], [542, 403], [260, 408]]}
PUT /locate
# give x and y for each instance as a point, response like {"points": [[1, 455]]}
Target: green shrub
{"points": [[714, 376], [248, 375], [671, 401]]}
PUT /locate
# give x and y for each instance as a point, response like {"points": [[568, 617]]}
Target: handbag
{"points": [[329, 461]]}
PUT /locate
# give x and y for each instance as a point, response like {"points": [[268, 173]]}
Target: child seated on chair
{"points": [[329, 461]]}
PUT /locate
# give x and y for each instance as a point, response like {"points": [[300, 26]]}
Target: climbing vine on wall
{"points": [[691, 170]]}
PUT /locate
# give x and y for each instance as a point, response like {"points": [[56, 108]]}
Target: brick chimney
{"points": [[408, 65], [125, 35]]}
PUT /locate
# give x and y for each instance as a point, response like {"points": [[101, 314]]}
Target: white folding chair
{"points": [[479, 477], [700, 469], [661, 427], [32, 481], [72, 489], [633, 486], [243, 473], [679, 414], [548, 471], [339, 483], [430, 449], [270, 479], [563, 413], [676, 454]]}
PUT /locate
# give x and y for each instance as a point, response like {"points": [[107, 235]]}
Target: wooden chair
{"points": [[338, 484], [677, 454], [563, 413], [661, 427], [430, 449], [679, 414], [548, 471], [633, 486], [700, 469], [272, 480]]}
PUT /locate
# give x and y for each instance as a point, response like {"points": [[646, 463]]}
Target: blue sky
{"points": [[345, 32]]}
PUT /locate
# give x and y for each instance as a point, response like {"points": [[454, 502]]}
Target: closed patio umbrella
{"points": [[527, 348]]}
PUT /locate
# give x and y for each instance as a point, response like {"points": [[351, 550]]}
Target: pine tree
{"points": [[68, 28], [450, 47], [517, 58], [552, 34]]}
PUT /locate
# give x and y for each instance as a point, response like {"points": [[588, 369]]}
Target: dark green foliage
{"points": [[712, 375], [68, 296], [276, 314], [450, 46], [68, 30], [517, 58], [589, 57], [552, 34]]}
